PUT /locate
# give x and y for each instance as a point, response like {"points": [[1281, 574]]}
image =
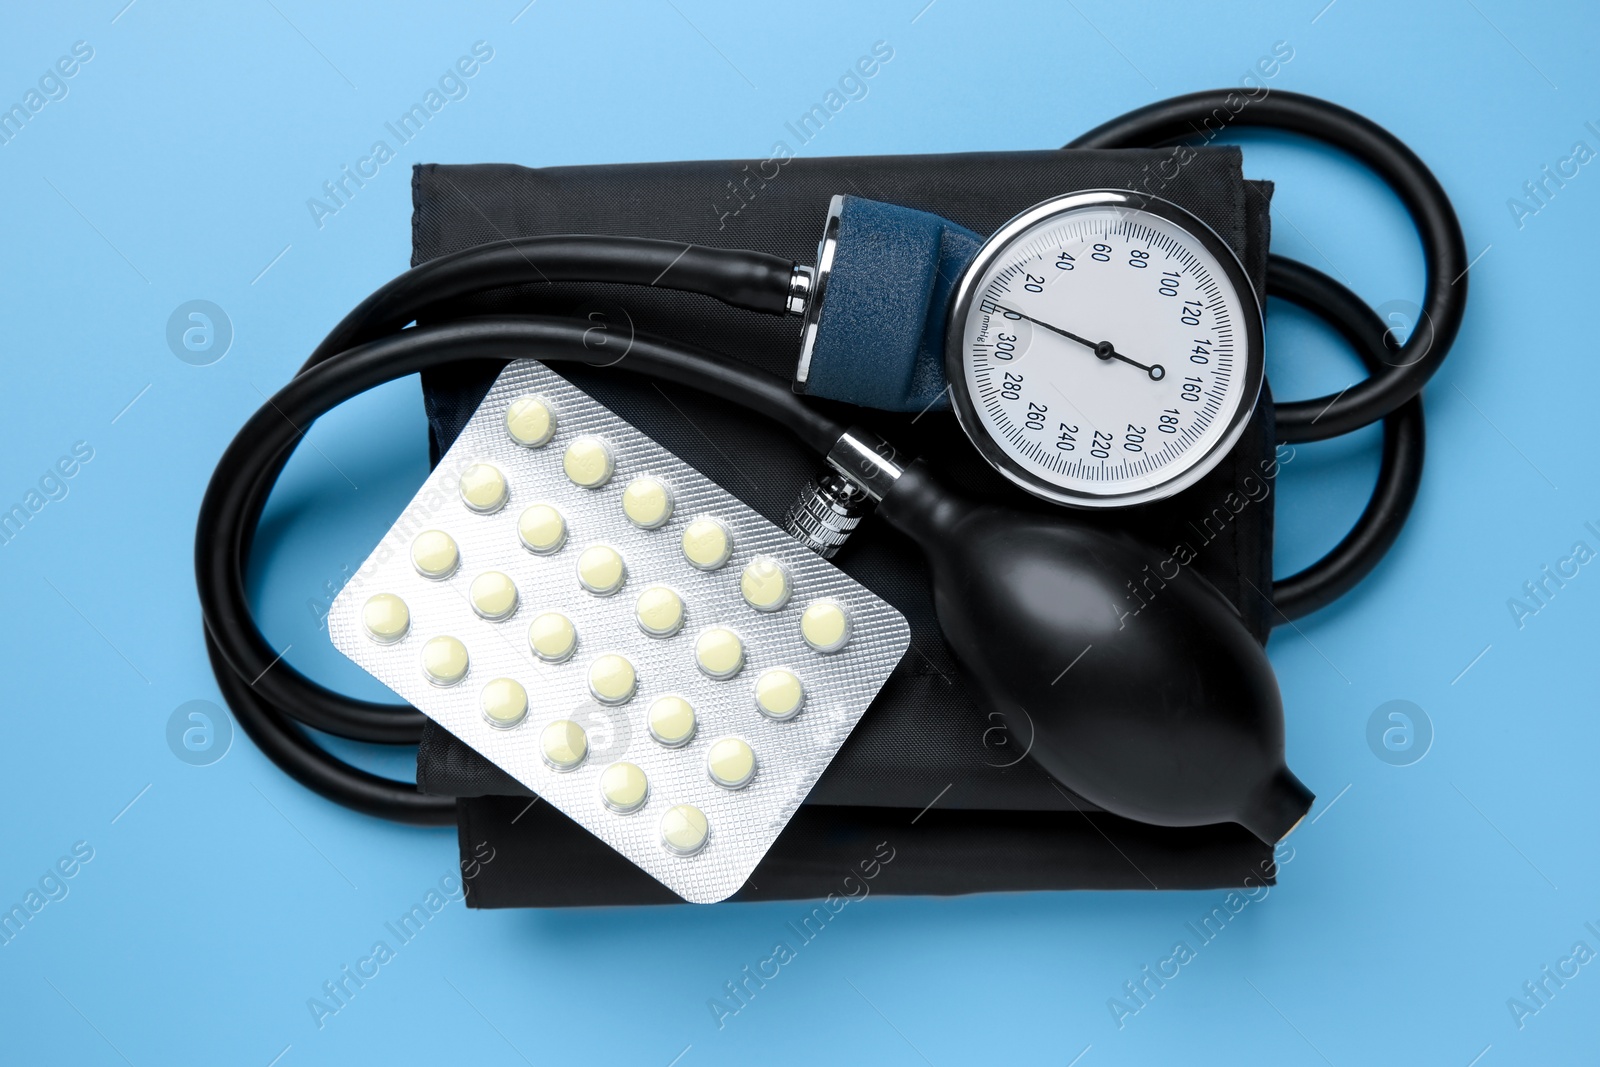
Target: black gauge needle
{"points": [[1102, 349]]}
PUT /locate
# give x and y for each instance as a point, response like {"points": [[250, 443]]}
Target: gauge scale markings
{"points": [[1119, 369]]}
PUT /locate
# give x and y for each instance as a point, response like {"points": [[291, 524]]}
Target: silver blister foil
{"points": [[790, 755]]}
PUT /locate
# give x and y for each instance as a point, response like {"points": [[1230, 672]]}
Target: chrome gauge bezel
{"points": [[1250, 360]]}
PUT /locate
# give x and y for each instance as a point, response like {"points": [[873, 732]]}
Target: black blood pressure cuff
{"points": [[927, 775]]}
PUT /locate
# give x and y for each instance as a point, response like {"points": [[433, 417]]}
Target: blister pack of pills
{"points": [[618, 633]]}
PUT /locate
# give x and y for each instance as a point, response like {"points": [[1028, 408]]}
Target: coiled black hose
{"points": [[1396, 376], [1399, 473], [267, 695], [371, 346], [1444, 248]]}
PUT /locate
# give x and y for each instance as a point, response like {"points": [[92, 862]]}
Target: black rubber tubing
{"points": [[760, 282], [752, 280], [1399, 375], [1400, 470], [252, 463], [263, 690], [302, 759]]}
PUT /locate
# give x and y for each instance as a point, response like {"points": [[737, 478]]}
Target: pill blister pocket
{"points": [[618, 633]]}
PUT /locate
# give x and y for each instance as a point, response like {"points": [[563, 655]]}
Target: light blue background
{"points": [[1419, 899]]}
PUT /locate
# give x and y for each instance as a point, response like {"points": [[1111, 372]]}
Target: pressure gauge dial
{"points": [[1104, 349]]}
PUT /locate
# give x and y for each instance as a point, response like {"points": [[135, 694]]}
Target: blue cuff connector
{"points": [[875, 323]]}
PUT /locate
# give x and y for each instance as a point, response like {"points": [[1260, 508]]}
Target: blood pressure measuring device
{"points": [[1101, 350], [1060, 334]]}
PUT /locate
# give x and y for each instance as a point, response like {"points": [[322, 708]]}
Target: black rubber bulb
{"points": [[1172, 716]]}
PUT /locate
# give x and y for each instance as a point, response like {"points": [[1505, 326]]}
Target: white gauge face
{"points": [[1109, 354]]}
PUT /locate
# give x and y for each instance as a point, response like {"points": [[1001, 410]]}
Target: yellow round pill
{"points": [[588, 462], [493, 596], [825, 624], [765, 584], [683, 829], [530, 421], [552, 637], [542, 529], [719, 652], [504, 702], [563, 744], [434, 554], [731, 763], [660, 611], [444, 660], [647, 502], [601, 570], [483, 488], [623, 787], [779, 694], [671, 721], [612, 679], [386, 618], [707, 544]]}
